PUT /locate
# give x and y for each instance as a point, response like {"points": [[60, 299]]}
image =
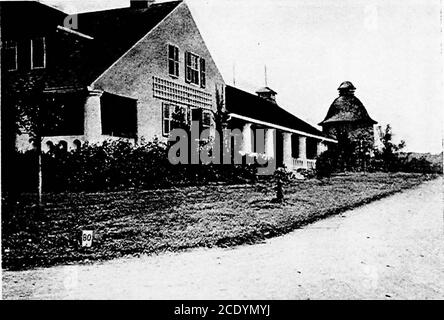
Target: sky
{"points": [[390, 50]]}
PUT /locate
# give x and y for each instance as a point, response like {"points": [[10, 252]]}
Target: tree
{"points": [[389, 154], [326, 163], [354, 148], [221, 116], [362, 144], [37, 115]]}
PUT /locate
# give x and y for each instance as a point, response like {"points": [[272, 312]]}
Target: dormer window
{"points": [[38, 53], [173, 61], [10, 55]]}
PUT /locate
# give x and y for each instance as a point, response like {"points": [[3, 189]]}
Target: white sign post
{"points": [[87, 237]]}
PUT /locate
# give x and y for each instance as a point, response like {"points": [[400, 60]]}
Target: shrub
{"points": [[326, 164], [420, 165], [281, 177], [119, 165]]}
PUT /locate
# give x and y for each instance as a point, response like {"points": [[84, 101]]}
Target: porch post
{"points": [[270, 142], [93, 116], [247, 140], [303, 150], [288, 159]]}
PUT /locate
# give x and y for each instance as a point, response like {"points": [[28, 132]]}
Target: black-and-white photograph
{"points": [[222, 150]]}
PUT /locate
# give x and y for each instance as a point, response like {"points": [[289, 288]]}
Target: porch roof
{"points": [[250, 106]]}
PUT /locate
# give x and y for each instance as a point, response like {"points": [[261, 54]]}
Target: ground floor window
{"points": [[181, 117], [206, 119], [174, 117]]}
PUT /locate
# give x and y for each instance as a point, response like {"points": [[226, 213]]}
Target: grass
{"points": [[147, 222]]}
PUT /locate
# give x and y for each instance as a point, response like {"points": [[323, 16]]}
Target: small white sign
{"points": [[87, 237]]}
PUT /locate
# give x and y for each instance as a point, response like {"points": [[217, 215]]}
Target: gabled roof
{"points": [[251, 106], [114, 32], [21, 19]]}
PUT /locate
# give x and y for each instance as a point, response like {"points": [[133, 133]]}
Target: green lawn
{"points": [[146, 222]]}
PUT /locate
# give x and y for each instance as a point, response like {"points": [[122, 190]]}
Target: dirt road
{"points": [[390, 249]]}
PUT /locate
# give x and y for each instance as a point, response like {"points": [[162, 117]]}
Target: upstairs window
{"points": [[192, 68], [10, 55], [173, 61], [203, 76], [38, 53]]}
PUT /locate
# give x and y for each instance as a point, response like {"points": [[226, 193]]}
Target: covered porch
{"points": [[290, 148], [81, 116]]}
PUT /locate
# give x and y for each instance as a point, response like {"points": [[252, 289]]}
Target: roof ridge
{"points": [[275, 105], [33, 2], [127, 8]]}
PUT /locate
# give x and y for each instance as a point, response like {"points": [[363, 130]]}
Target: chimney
{"points": [[267, 94], [141, 4]]}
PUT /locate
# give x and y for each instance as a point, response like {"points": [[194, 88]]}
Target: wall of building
{"points": [[353, 130], [21, 22], [132, 75]]}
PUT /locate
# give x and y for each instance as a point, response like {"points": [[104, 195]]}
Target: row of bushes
{"points": [[415, 165], [329, 162], [119, 165]]}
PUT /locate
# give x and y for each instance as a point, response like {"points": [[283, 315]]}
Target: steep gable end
{"points": [[149, 56], [114, 32]]}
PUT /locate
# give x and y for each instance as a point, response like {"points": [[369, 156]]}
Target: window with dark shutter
{"points": [[187, 67], [173, 61], [196, 116], [192, 68], [38, 53], [10, 55], [203, 76]]}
